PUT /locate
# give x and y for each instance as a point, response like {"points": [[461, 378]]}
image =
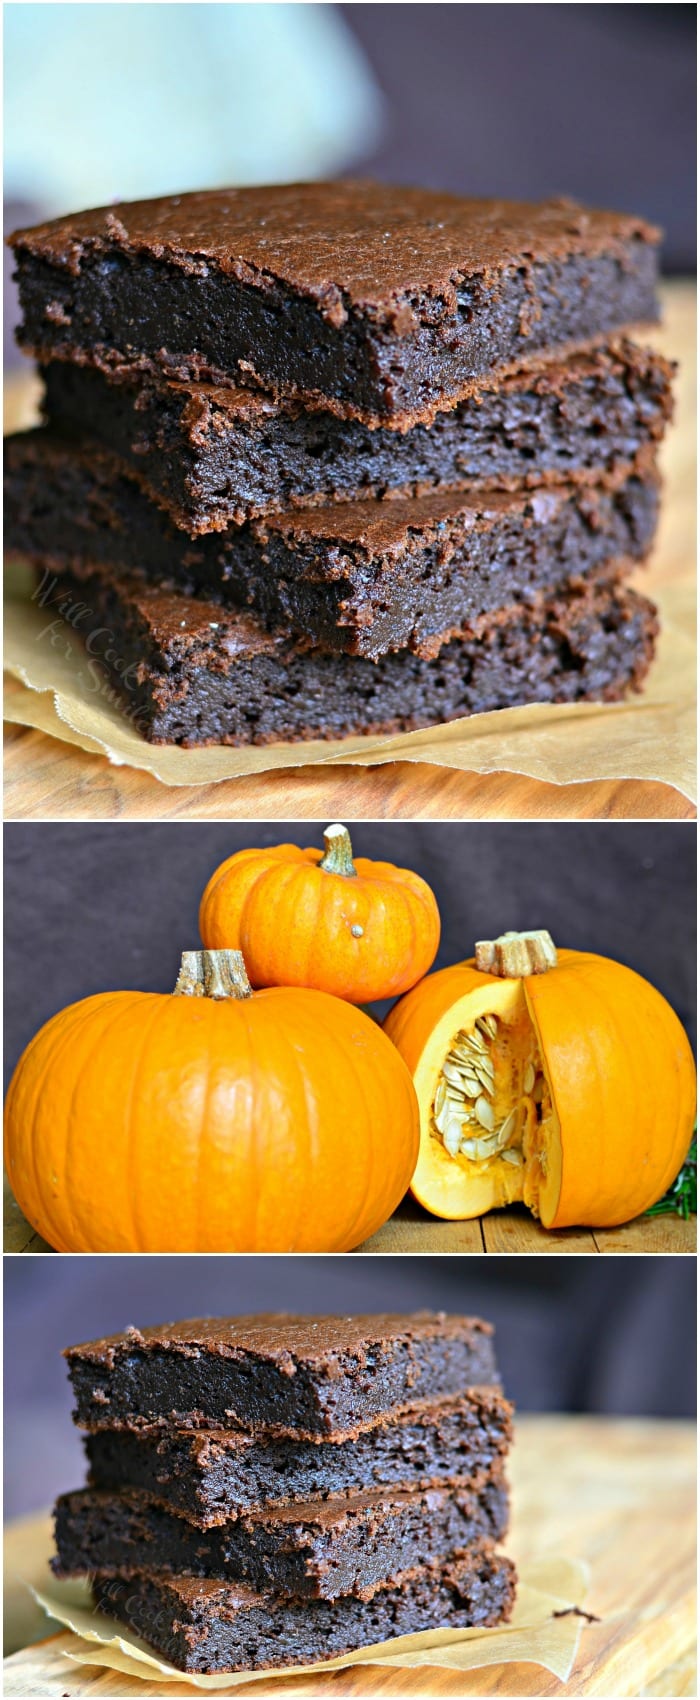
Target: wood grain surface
{"points": [[47, 779], [618, 1495], [412, 1230]]}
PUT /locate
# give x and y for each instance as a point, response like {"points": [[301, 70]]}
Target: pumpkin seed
{"points": [[479, 1149], [529, 1078], [454, 1126], [484, 1065], [440, 1096], [508, 1126], [442, 1118], [483, 1111], [511, 1156], [468, 1069], [452, 1074], [486, 1086], [461, 1062], [472, 1086], [467, 1065], [491, 1025], [453, 1142]]}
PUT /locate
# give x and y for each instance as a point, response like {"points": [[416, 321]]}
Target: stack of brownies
{"points": [[333, 459], [276, 1490]]}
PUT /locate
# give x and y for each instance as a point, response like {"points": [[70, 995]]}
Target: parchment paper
{"points": [[534, 1635], [651, 736]]}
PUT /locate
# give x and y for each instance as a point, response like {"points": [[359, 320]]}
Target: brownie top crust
{"points": [[305, 1517], [209, 1594], [346, 245], [474, 1410], [173, 625], [282, 1340], [550, 372], [363, 528], [382, 527]]}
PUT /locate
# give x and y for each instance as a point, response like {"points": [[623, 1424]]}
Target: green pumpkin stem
{"points": [[338, 857], [212, 974], [514, 956]]}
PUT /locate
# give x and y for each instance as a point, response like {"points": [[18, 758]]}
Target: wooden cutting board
{"points": [[618, 1494]]}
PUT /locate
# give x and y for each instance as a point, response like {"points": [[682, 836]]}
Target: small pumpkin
{"points": [[362, 930], [214, 1119], [559, 1079]]}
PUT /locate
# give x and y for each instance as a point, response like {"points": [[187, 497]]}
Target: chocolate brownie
{"points": [[212, 1476], [312, 1551], [215, 457], [214, 1626], [365, 578], [190, 673], [378, 302], [281, 1375]]}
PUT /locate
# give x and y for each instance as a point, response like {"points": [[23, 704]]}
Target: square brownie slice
{"points": [[192, 673], [361, 578], [380, 303], [213, 1626], [280, 1375], [318, 1550], [214, 1475], [215, 457]]}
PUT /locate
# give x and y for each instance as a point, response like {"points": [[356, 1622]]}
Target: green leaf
{"points": [[682, 1197]]}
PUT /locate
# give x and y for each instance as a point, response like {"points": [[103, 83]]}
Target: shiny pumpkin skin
{"points": [[294, 922], [620, 1070], [142, 1122]]}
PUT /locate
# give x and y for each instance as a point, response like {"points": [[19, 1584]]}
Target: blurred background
{"points": [[613, 1335], [119, 101], [91, 908]]}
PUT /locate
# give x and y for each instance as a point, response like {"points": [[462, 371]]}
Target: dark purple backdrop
{"points": [[91, 908], [609, 1334], [526, 101]]}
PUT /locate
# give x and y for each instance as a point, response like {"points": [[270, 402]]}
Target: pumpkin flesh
{"points": [[453, 1183]]}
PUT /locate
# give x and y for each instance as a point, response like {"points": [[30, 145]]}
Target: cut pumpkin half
{"points": [[563, 1081]]}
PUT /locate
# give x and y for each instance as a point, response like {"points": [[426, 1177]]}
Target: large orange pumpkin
{"points": [[210, 1120], [359, 929], [563, 1080]]}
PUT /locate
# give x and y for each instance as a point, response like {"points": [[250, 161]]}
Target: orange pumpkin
{"points": [[213, 1119], [359, 929], [562, 1080]]}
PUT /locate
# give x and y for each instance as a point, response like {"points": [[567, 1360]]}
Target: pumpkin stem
{"points": [[338, 857], [515, 955], [212, 974]]}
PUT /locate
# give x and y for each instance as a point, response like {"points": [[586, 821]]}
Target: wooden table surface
{"points": [[412, 1230], [45, 778], [617, 1495]]}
